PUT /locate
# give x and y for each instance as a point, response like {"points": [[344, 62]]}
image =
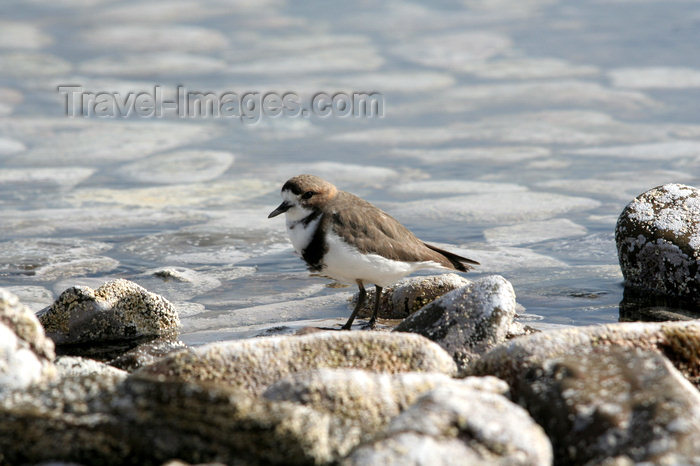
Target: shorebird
{"points": [[346, 238]]}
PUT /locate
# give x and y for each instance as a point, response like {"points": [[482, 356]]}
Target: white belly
{"points": [[346, 264]]}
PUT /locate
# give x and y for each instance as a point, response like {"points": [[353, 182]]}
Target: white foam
{"points": [[656, 77], [490, 208], [179, 167], [154, 37], [533, 232], [18, 35]]}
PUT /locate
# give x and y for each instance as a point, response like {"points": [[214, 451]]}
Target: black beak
{"points": [[282, 208]]}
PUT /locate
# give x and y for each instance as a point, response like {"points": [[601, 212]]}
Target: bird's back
{"points": [[373, 231]]}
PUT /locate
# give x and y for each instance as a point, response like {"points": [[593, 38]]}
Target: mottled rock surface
{"points": [[74, 366], [658, 241], [117, 310], [366, 398], [102, 418], [467, 321], [26, 355], [22, 321], [616, 402], [253, 365], [451, 425], [410, 294], [679, 341]]}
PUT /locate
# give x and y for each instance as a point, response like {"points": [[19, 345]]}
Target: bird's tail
{"points": [[460, 263]]}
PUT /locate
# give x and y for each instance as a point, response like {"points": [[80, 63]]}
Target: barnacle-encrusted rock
{"points": [[410, 294], [368, 399], [118, 310], [467, 321], [255, 364], [615, 402], [456, 425], [658, 241]]}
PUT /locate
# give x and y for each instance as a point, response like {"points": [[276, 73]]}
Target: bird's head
{"points": [[302, 195]]}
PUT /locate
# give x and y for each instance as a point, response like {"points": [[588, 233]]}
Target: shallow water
{"points": [[514, 132]]}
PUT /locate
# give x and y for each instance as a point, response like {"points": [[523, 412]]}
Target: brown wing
{"points": [[373, 231]]}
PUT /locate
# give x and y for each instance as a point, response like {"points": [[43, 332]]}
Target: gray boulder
{"points": [[615, 403], [23, 322], [679, 341], [367, 399], [74, 366], [658, 241], [467, 321], [118, 310], [105, 417], [410, 294], [26, 355], [253, 365], [453, 425]]}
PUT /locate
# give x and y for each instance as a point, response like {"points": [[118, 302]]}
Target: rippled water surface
{"points": [[514, 133]]}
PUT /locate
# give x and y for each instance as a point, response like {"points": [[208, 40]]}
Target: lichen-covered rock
{"points": [[103, 418], [255, 364], [467, 321], [410, 294], [658, 241], [74, 366], [679, 341], [66, 419], [22, 321], [147, 353], [19, 366], [453, 425], [368, 399], [117, 310], [615, 402], [26, 355]]}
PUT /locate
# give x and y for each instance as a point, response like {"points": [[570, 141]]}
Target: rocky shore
{"points": [[457, 381]]}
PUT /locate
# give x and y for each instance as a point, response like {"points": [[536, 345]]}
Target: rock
{"points": [[679, 341], [26, 355], [66, 419], [451, 425], [102, 419], [20, 367], [147, 353], [22, 321], [658, 241], [118, 310], [410, 294], [216, 423], [368, 399], [253, 365], [615, 402], [467, 321], [73, 366], [639, 305]]}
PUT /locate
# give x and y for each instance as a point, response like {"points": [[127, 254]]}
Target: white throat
{"points": [[300, 232]]}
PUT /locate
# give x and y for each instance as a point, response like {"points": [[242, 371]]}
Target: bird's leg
{"points": [[360, 302], [377, 296]]}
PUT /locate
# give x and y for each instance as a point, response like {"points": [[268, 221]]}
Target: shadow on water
{"points": [[644, 306]]}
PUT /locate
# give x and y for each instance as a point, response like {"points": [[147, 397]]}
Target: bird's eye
{"points": [[307, 195]]}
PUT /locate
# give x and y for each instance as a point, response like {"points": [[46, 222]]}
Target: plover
{"points": [[346, 238]]}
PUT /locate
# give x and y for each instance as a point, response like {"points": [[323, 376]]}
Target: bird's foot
{"points": [[371, 325]]}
